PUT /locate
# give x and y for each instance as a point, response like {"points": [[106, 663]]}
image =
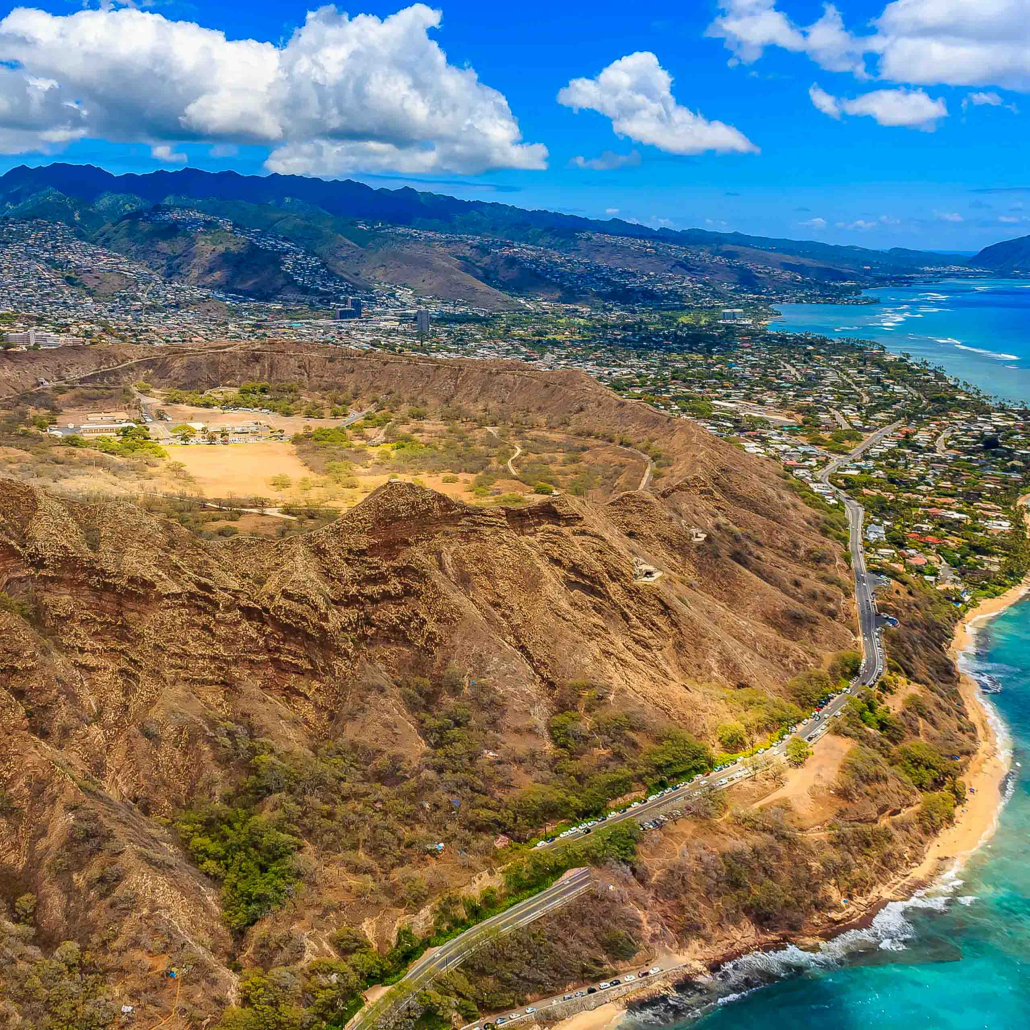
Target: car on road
{"points": [[501, 1020], [580, 994], [530, 1010], [604, 985], [591, 990], [567, 997], [655, 969], [628, 978]]}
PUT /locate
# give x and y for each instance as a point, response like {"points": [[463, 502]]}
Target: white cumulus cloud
{"points": [[814, 223], [166, 152], [908, 108], [955, 42], [607, 161], [749, 26], [915, 42], [635, 92], [341, 94], [987, 99], [948, 216], [824, 101]]}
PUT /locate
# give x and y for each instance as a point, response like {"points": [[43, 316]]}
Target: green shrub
{"points": [[936, 811], [797, 752], [251, 854]]}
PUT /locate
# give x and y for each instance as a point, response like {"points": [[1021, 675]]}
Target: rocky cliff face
{"points": [[141, 670]]}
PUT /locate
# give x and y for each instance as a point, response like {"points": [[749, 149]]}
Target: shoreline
{"points": [[974, 824]]}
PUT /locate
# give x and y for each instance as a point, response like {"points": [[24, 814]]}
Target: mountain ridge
{"points": [[406, 206], [1005, 257]]}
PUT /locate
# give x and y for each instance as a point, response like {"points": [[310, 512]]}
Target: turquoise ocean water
{"points": [[978, 329], [955, 958], [958, 957]]}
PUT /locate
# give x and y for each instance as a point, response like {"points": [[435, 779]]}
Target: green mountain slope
{"points": [[1007, 257]]}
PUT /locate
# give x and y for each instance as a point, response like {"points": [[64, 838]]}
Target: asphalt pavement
{"points": [[578, 881]]}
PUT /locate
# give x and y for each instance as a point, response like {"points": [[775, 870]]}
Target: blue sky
{"points": [[881, 124]]}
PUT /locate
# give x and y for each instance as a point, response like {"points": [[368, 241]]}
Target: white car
{"points": [[604, 986]]}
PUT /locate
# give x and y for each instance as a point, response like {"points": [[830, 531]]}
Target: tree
{"points": [[808, 688], [845, 665], [25, 908], [184, 433], [797, 752], [936, 811], [731, 736], [280, 483]]}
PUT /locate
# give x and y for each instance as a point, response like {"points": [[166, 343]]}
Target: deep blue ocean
{"points": [[958, 957], [977, 329]]}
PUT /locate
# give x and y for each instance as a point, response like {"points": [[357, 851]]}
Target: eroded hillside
{"points": [[228, 753]]}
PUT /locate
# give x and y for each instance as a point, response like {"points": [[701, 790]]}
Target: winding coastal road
{"points": [[437, 961], [578, 881], [872, 648]]}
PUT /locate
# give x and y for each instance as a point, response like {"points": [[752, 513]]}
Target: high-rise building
{"points": [[422, 320], [352, 310]]}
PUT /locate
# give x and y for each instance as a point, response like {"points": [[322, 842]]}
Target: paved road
{"points": [[941, 443], [872, 648], [453, 953], [873, 662], [150, 406], [841, 420], [863, 395], [579, 881]]}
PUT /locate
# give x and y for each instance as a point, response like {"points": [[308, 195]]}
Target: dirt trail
{"points": [[511, 462]]}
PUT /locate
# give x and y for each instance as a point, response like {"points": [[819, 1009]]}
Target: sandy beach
{"points": [[974, 823], [602, 1018]]}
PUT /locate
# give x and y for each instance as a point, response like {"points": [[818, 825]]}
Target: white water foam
{"points": [[890, 929], [989, 353]]}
